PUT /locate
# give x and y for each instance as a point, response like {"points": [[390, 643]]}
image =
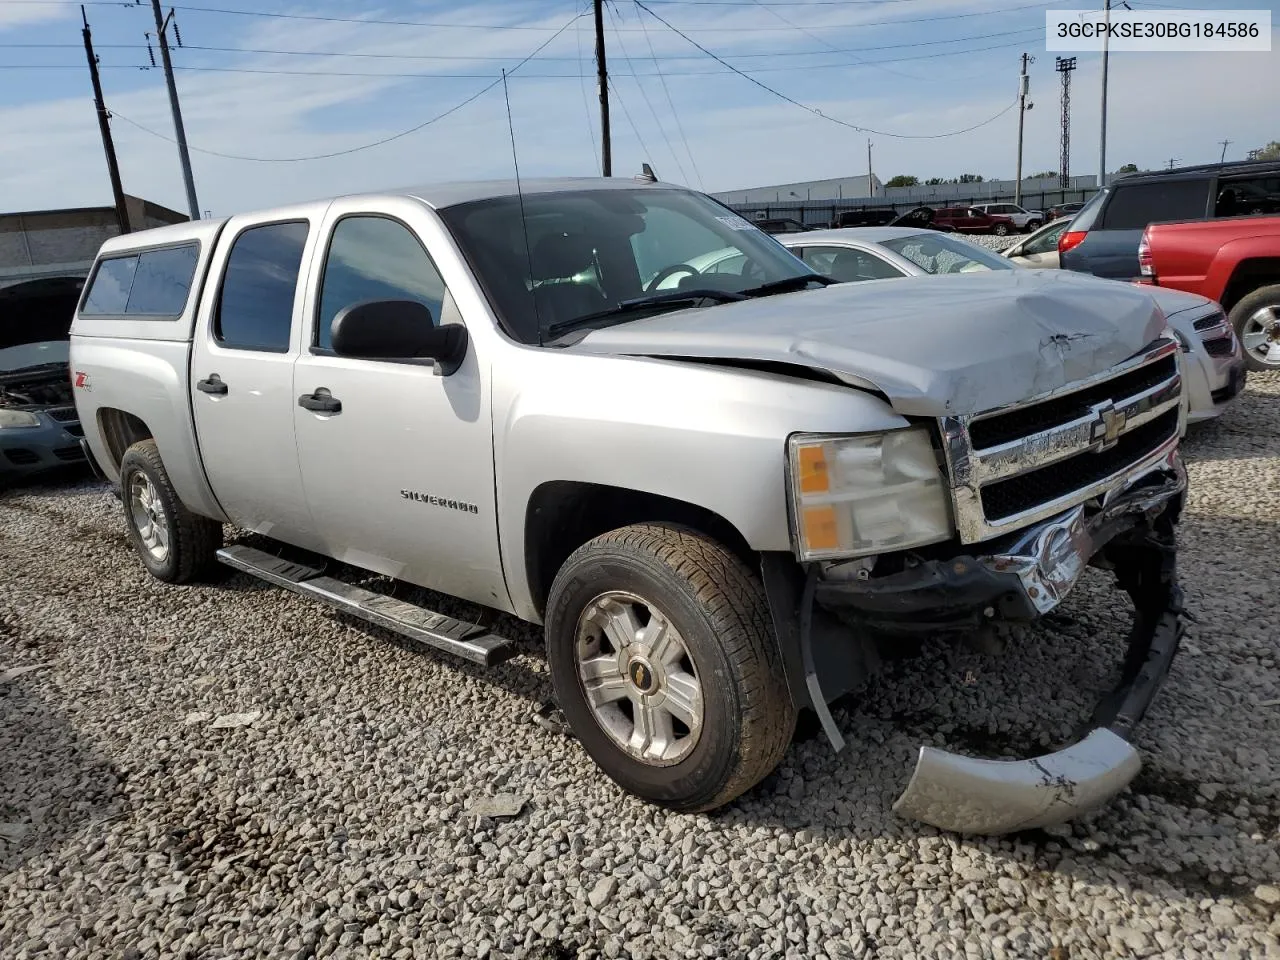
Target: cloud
{"points": [[14, 15]]}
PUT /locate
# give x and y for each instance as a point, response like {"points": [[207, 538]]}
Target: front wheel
{"points": [[1033, 226], [176, 545], [664, 661], [1256, 319], [1001, 230]]}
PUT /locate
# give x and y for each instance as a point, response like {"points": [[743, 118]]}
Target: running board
{"points": [[466, 640]]}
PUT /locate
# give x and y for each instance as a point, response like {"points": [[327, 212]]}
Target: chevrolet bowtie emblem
{"points": [[1109, 425]]}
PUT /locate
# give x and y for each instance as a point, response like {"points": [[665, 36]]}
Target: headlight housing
{"points": [[18, 418], [864, 494]]}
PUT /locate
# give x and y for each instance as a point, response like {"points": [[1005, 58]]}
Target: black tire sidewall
{"points": [[1246, 308], [708, 766], [133, 463]]}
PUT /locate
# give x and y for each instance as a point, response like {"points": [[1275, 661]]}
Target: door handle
{"points": [[320, 402], [212, 385]]}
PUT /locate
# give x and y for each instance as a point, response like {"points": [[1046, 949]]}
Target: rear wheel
{"points": [[1001, 230], [176, 545], [664, 661], [1256, 319], [1033, 226]]}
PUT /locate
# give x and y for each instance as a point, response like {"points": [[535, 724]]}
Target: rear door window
{"points": [[259, 284], [152, 283], [1134, 206]]}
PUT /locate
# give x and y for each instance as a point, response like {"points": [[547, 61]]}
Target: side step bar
{"points": [[466, 640]]}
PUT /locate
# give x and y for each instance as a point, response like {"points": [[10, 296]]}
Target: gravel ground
{"points": [[333, 819]]}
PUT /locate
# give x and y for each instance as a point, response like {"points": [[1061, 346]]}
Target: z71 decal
{"points": [[80, 380]]}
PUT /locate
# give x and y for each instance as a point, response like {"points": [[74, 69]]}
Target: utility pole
{"points": [[1064, 66], [104, 127], [1024, 85], [871, 184], [178, 129], [1102, 133], [602, 77], [1225, 144], [1172, 161]]}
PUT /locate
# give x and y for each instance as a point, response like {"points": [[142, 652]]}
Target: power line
{"points": [[814, 110], [627, 113], [530, 76], [440, 56], [586, 103], [613, 19], [435, 24], [670, 102], [376, 143]]}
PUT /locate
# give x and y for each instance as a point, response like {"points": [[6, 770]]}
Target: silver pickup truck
{"points": [[725, 500]]}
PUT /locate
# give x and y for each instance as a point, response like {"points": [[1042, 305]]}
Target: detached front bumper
{"points": [[1024, 577]]}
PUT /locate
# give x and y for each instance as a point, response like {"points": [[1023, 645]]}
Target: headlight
{"points": [[18, 418], [868, 493]]}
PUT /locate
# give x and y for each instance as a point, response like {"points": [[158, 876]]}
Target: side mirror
{"points": [[397, 330]]}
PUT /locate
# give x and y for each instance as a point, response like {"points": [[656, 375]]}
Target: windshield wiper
{"points": [[788, 285], [626, 307]]}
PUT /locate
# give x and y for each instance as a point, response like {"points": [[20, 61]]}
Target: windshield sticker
{"points": [[736, 223]]}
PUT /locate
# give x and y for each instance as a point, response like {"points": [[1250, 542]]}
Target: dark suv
{"points": [[1103, 238]]}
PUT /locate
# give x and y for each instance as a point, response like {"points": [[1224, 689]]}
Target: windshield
{"points": [[943, 253], [591, 250], [34, 355]]}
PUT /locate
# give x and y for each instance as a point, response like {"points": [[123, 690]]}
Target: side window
{"points": [[1247, 196], [847, 265], [163, 281], [732, 265], [1046, 242], [109, 291], [374, 258], [255, 305], [152, 283], [1133, 206]]}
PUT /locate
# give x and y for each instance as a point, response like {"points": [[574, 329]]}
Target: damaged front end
{"points": [[1089, 476]]}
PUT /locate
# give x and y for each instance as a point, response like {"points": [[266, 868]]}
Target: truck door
{"points": [[246, 343], [399, 472]]}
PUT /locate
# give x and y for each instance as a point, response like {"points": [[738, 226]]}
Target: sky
{"points": [[308, 82]]}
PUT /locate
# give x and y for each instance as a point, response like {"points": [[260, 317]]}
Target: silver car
{"points": [[1214, 376]]}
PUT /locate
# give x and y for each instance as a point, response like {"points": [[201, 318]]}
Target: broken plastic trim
{"points": [[969, 795]]}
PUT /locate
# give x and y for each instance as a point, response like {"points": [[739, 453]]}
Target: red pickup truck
{"points": [[1234, 260]]}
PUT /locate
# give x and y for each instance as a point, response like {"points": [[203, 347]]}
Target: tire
{"points": [[191, 541], [1033, 226], [720, 617], [1257, 317], [1000, 229]]}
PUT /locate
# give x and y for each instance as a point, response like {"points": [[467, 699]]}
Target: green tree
{"points": [[903, 180], [971, 178], [1128, 168], [1270, 152], [934, 181], [1043, 175]]}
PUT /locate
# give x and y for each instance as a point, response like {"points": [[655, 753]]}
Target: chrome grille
{"points": [[1020, 464]]}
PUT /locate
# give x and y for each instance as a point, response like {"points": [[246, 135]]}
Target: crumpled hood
{"points": [[935, 346]]}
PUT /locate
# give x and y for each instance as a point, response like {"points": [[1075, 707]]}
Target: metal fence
{"points": [[820, 213]]}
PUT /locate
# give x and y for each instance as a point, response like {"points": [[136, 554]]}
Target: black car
{"points": [[1103, 238], [868, 217], [781, 225]]}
